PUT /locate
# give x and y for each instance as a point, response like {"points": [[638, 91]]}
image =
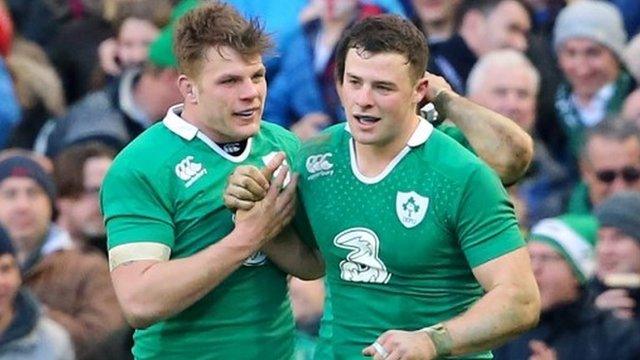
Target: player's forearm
{"points": [[165, 288], [503, 312], [497, 140], [295, 257]]}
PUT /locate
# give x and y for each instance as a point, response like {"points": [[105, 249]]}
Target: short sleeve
{"points": [[456, 134], [486, 224], [135, 208]]}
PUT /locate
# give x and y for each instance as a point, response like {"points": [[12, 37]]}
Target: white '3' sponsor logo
{"points": [[189, 171]]}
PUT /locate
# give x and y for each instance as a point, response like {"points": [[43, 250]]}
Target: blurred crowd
{"points": [[79, 79]]}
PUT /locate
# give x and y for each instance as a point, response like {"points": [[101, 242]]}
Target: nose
{"points": [[619, 184], [363, 97], [249, 90]]}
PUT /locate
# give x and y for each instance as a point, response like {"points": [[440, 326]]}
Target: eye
{"points": [[229, 81]]}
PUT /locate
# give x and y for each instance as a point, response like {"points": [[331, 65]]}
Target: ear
{"points": [[420, 90], [188, 89]]}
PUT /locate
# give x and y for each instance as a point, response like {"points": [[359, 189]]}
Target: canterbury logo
{"points": [[189, 171], [317, 163]]}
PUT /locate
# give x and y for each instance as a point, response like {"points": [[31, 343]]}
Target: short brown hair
{"points": [[68, 169], [381, 34], [216, 25]]}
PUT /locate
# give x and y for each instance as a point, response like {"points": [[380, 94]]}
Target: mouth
{"points": [[366, 119], [246, 114]]}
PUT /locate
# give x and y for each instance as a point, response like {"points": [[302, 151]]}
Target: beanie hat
{"points": [[573, 237], [621, 211], [22, 166], [6, 247], [595, 20]]}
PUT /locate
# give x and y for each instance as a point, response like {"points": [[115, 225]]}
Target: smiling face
{"points": [[616, 253], [380, 97], [134, 39], [556, 281], [228, 95], [587, 65]]}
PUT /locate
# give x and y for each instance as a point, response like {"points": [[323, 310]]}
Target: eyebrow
{"points": [[375, 82]]}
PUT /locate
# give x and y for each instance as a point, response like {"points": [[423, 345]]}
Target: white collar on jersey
{"points": [[188, 131], [176, 124], [419, 136]]}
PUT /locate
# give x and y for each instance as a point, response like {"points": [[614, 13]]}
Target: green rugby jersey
{"points": [[399, 248], [166, 188]]}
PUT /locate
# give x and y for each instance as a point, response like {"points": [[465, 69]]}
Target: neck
{"points": [[190, 115], [441, 29], [26, 247], [372, 159]]}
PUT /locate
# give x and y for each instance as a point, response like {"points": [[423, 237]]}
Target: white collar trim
{"points": [[187, 131], [420, 135], [177, 125]]}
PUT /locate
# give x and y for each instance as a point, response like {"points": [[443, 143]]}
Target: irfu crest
{"points": [[411, 208]]}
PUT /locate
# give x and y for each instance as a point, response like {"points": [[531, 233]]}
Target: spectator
{"points": [[505, 81], [137, 23], [78, 173], [609, 163], [570, 327], [617, 280], [483, 26], [303, 96], [25, 331], [436, 19], [118, 113], [39, 91], [74, 286], [589, 39]]}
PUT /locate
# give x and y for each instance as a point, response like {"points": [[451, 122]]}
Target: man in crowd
{"points": [[25, 332], [73, 286], [571, 327], [609, 163], [507, 82], [617, 280], [589, 40], [78, 172]]}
